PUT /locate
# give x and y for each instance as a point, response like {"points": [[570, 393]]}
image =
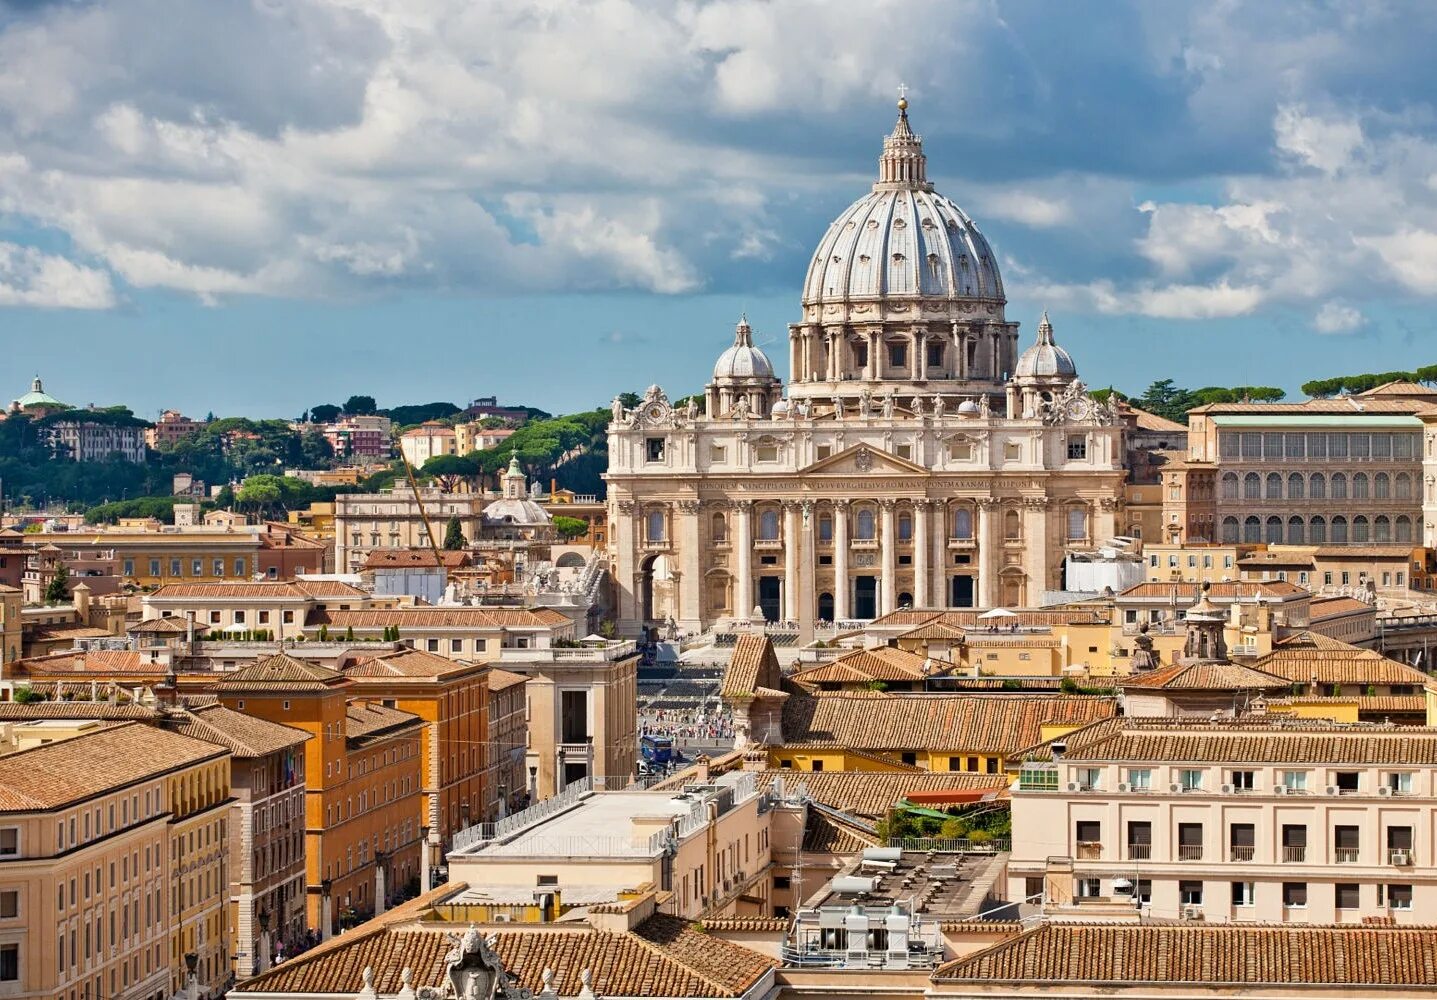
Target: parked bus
{"points": [[657, 749]]}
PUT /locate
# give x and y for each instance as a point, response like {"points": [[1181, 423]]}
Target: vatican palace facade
{"points": [[917, 456]]}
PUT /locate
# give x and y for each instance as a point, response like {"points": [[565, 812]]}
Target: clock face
{"points": [[655, 411], [1077, 409]]}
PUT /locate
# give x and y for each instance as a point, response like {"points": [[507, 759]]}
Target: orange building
{"points": [[363, 784]]}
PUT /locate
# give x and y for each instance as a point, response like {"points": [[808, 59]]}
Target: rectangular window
{"points": [[897, 356], [1399, 897], [1243, 781], [432, 645], [197, 567], [9, 842], [1244, 893], [218, 568], [456, 645], [1400, 783], [1077, 446], [1294, 781], [9, 963], [1140, 779], [1349, 895], [175, 567], [654, 449], [1190, 780], [1190, 893], [10, 903], [239, 567], [1294, 894], [129, 567]]}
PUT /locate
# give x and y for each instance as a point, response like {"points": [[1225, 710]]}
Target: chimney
{"points": [[190, 631], [701, 767], [81, 592]]}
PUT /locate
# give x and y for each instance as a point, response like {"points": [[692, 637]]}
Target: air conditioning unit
{"points": [[1175, 788], [1401, 858], [1332, 789], [1228, 789], [1192, 912], [1384, 790], [1123, 786], [1073, 786], [1279, 790]]}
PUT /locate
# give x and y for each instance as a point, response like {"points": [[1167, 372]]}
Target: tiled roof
{"points": [[752, 665], [1364, 551], [935, 628], [1397, 704], [409, 663], [976, 723], [871, 794], [14, 711], [1398, 387], [80, 768], [1342, 406], [167, 625], [1275, 740], [94, 661], [367, 722], [968, 618], [1152, 422], [59, 633], [243, 735], [1310, 656], [258, 590], [282, 672], [826, 834], [502, 680], [415, 559], [720, 924], [441, 618], [1226, 590], [662, 957], [1331, 607], [1206, 677], [1238, 955]]}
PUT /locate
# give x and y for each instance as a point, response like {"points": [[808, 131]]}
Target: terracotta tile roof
{"points": [[981, 926], [100, 662], [468, 618], [502, 680], [1152, 422], [1249, 740], [1364, 551], [1342, 406], [662, 957], [282, 672], [973, 723], [167, 625], [14, 711], [1310, 656], [61, 633], [258, 590], [935, 628], [1226, 590], [80, 768], [1397, 704], [1398, 387], [753, 665], [367, 722], [1331, 607], [870, 794], [415, 559], [827, 834], [243, 735], [1206, 677], [720, 924], [1237, 955], [410, 663], [968, 618]]}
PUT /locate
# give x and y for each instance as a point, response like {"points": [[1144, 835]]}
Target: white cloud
{"points": [[1174, 301], [1027, 208], [1329, 144], [1334, 317], [29, 277]]}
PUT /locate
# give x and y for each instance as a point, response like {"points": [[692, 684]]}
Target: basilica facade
{"points": [[915, 457]]}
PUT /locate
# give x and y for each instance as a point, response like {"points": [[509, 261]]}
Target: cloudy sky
{"points": [[250, 207]]}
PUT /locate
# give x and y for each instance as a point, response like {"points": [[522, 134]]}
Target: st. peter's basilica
{"points": [[914, 458]]}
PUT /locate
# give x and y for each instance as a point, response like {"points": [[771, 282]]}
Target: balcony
{"points": [[1346, 855], [1190, 852], [962, 544], [1292, 855], [1089, 850], [1140, 852], [1241, 852]]}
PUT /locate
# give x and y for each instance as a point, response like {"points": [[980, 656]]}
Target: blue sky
{"points": [[275, 205]]}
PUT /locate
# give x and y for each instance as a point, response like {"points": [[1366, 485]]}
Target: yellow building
{"points": [[157, 556]]}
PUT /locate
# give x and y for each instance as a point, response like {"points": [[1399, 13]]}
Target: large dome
{"points": [[903, 240]]}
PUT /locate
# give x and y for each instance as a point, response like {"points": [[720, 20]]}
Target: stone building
{"points": [[915, 456]]}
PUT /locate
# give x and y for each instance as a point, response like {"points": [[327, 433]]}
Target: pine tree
{"points": [[453, 536], [58, 590]]}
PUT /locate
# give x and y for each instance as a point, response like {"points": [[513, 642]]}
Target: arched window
{"points": [[1274, 486], [905, 527], [719, 528], [905, 600], [865, 524], [768, 525], [962, 523], [1404, 530], [1295, 484], [1317, 486], [1077, 523], [654, 526], [1382, 528], [1252, 486], [1295, 531], [1317, 531], [1252, 529], [1382, 486], [1339, 486], [1359, 529], [825, 607], [1229, 529], [1339, 530], [1012, 526], [1404, 486], [1229, 485], [1360, 490], [1274, 530]]}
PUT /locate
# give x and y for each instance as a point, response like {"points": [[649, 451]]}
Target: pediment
{"points": [[864, 460]]}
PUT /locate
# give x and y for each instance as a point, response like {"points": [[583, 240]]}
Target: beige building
{"points": [[429, 440], [113, 865], [1246, 821], [918, 457]]}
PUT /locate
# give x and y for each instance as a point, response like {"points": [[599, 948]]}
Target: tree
{"points": [[1165, 399], [454, 536], [260, 493], [315, 450], [57, 591], [450, 471], [359, 406], [324, 413], [570, 528]]}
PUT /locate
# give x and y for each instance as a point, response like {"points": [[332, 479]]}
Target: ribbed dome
{"points": [[1045, 359], [903, 239], [743, 360], [524, 513]]}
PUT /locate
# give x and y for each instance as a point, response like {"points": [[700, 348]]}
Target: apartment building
{"points": [[113, 879], [364, 437], [279, 607], [1252, 820], [505, 773], [155, 555], [96, 439], [429, 440], [172, 426], [362, 783]]}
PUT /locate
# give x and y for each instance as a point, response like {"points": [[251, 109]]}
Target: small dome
{"points": [[743, 360], [1045, 359], [517, 511], [968, 408], [37, 396]]}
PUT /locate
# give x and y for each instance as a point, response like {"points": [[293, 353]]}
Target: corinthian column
{"points": [[1036, 550], [920, 553], [790, 560], [987, 551], [743, 558], [840, 560], [690, 584], [889, 586]]}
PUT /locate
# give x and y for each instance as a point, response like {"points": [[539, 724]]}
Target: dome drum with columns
{"points": [[917, 458]]}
